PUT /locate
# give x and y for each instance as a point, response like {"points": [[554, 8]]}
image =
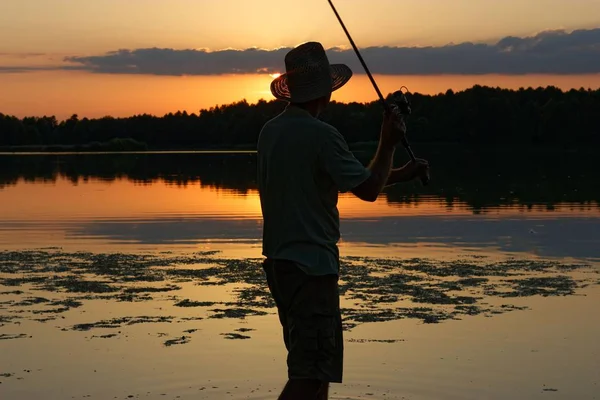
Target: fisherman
{"points": [[303, 163]]}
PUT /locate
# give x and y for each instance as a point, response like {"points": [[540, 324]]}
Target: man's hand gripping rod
{"points": [[400, 103]]}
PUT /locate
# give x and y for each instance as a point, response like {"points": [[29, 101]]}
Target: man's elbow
{"points": [[368, 198], [369, 190], [371, 197], [366, 194]]}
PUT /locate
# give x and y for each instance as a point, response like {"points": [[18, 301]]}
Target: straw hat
{"points": [[309, 75]]}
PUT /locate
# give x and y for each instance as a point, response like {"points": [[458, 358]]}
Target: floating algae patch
{"points": [[180, 340], [191, 319], [245, 330], [107, 336], [473, 268], [255, 296], [64, 305], [22, 280], [51, 310], [31, 300], [75, 284], [542, 286], [374, 289], [352, 317], [4, 319], [235, 336], [190, 303], [375, 340], [45, 319], [377, 283], [168, 288], [508, 307], [118, 322], [133, 297], [241, 313], [71, 303], [8, 336]]}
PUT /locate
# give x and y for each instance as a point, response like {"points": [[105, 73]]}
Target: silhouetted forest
{"points": [[479, 115]]}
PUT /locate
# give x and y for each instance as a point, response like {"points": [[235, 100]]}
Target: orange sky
{"points": [[44, 32], [92, 26], [96, 95]]}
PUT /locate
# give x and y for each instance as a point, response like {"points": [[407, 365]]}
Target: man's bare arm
{"points": [[380, 168], [392, 131]]}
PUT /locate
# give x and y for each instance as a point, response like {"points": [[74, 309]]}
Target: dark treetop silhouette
{"points": [[479, 115]]}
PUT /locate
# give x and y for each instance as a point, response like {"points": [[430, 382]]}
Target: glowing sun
{"points": [[275, 76]]}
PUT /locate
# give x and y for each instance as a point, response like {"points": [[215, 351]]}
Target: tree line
{"points": [[478, 115]]}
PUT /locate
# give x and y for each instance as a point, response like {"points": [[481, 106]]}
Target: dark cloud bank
{"points": [[555, 52]]}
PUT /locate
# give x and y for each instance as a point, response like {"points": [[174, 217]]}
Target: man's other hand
{"points": [[417, 169]]}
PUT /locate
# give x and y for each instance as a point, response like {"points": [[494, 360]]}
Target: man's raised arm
{"points": [[392, 131]]}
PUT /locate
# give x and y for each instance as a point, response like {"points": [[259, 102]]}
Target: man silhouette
{"points": [[303, 163]]}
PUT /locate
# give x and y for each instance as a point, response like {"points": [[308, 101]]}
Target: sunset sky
{"points": [[98, 57]]}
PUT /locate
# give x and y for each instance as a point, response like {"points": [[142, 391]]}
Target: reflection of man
{"points": [[302, 165]]}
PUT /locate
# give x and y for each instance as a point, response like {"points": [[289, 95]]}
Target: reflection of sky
{"points": [[95, 213], [577, 237]]}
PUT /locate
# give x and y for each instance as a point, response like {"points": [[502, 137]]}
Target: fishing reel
{"points": [[400, 105], [399, 102]]}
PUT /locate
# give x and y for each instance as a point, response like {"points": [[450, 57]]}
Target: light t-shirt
{"points": [[302, 165]]}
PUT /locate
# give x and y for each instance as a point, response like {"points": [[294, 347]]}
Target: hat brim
{"points": [[340, 75]]}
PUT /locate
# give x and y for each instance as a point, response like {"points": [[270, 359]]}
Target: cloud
{"points": [[26, 68], [552, 52], [157, 61], [21, 55]]}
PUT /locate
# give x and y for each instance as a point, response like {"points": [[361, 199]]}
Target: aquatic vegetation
{"points": [[190, 303], [233, 336], [7, 336], [143, 289], [235, 312], [375, 340], [107, 336], [118, 322], [180, 340], [374, 289]]}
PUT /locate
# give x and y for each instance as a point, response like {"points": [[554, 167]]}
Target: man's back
{"points": [[302, 165]]}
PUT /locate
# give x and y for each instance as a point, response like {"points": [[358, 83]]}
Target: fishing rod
{"points": [[398, 99]]}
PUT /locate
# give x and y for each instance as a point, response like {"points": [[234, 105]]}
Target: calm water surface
{"points": [[548, 205], [540, 206]]}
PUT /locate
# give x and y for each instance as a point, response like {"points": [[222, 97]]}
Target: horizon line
{"points": [[274, 100]]}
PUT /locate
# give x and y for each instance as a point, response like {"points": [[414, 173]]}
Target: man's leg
{"points": [[323, 393], [305, 389], [309, 313]]}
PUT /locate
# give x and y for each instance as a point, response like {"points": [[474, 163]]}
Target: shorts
{"points": [[309, 312]]}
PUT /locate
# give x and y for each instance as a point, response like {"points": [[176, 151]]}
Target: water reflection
{"points": [[482, 179], [544, 205]]}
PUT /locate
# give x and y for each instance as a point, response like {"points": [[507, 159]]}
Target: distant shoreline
{"points": [[357, 147], [478, 116]]}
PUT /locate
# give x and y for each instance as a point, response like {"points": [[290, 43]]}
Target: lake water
{"points": [[139, 275]]}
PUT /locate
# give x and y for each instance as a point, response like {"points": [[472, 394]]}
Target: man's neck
{"points": [[311, 108]]}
